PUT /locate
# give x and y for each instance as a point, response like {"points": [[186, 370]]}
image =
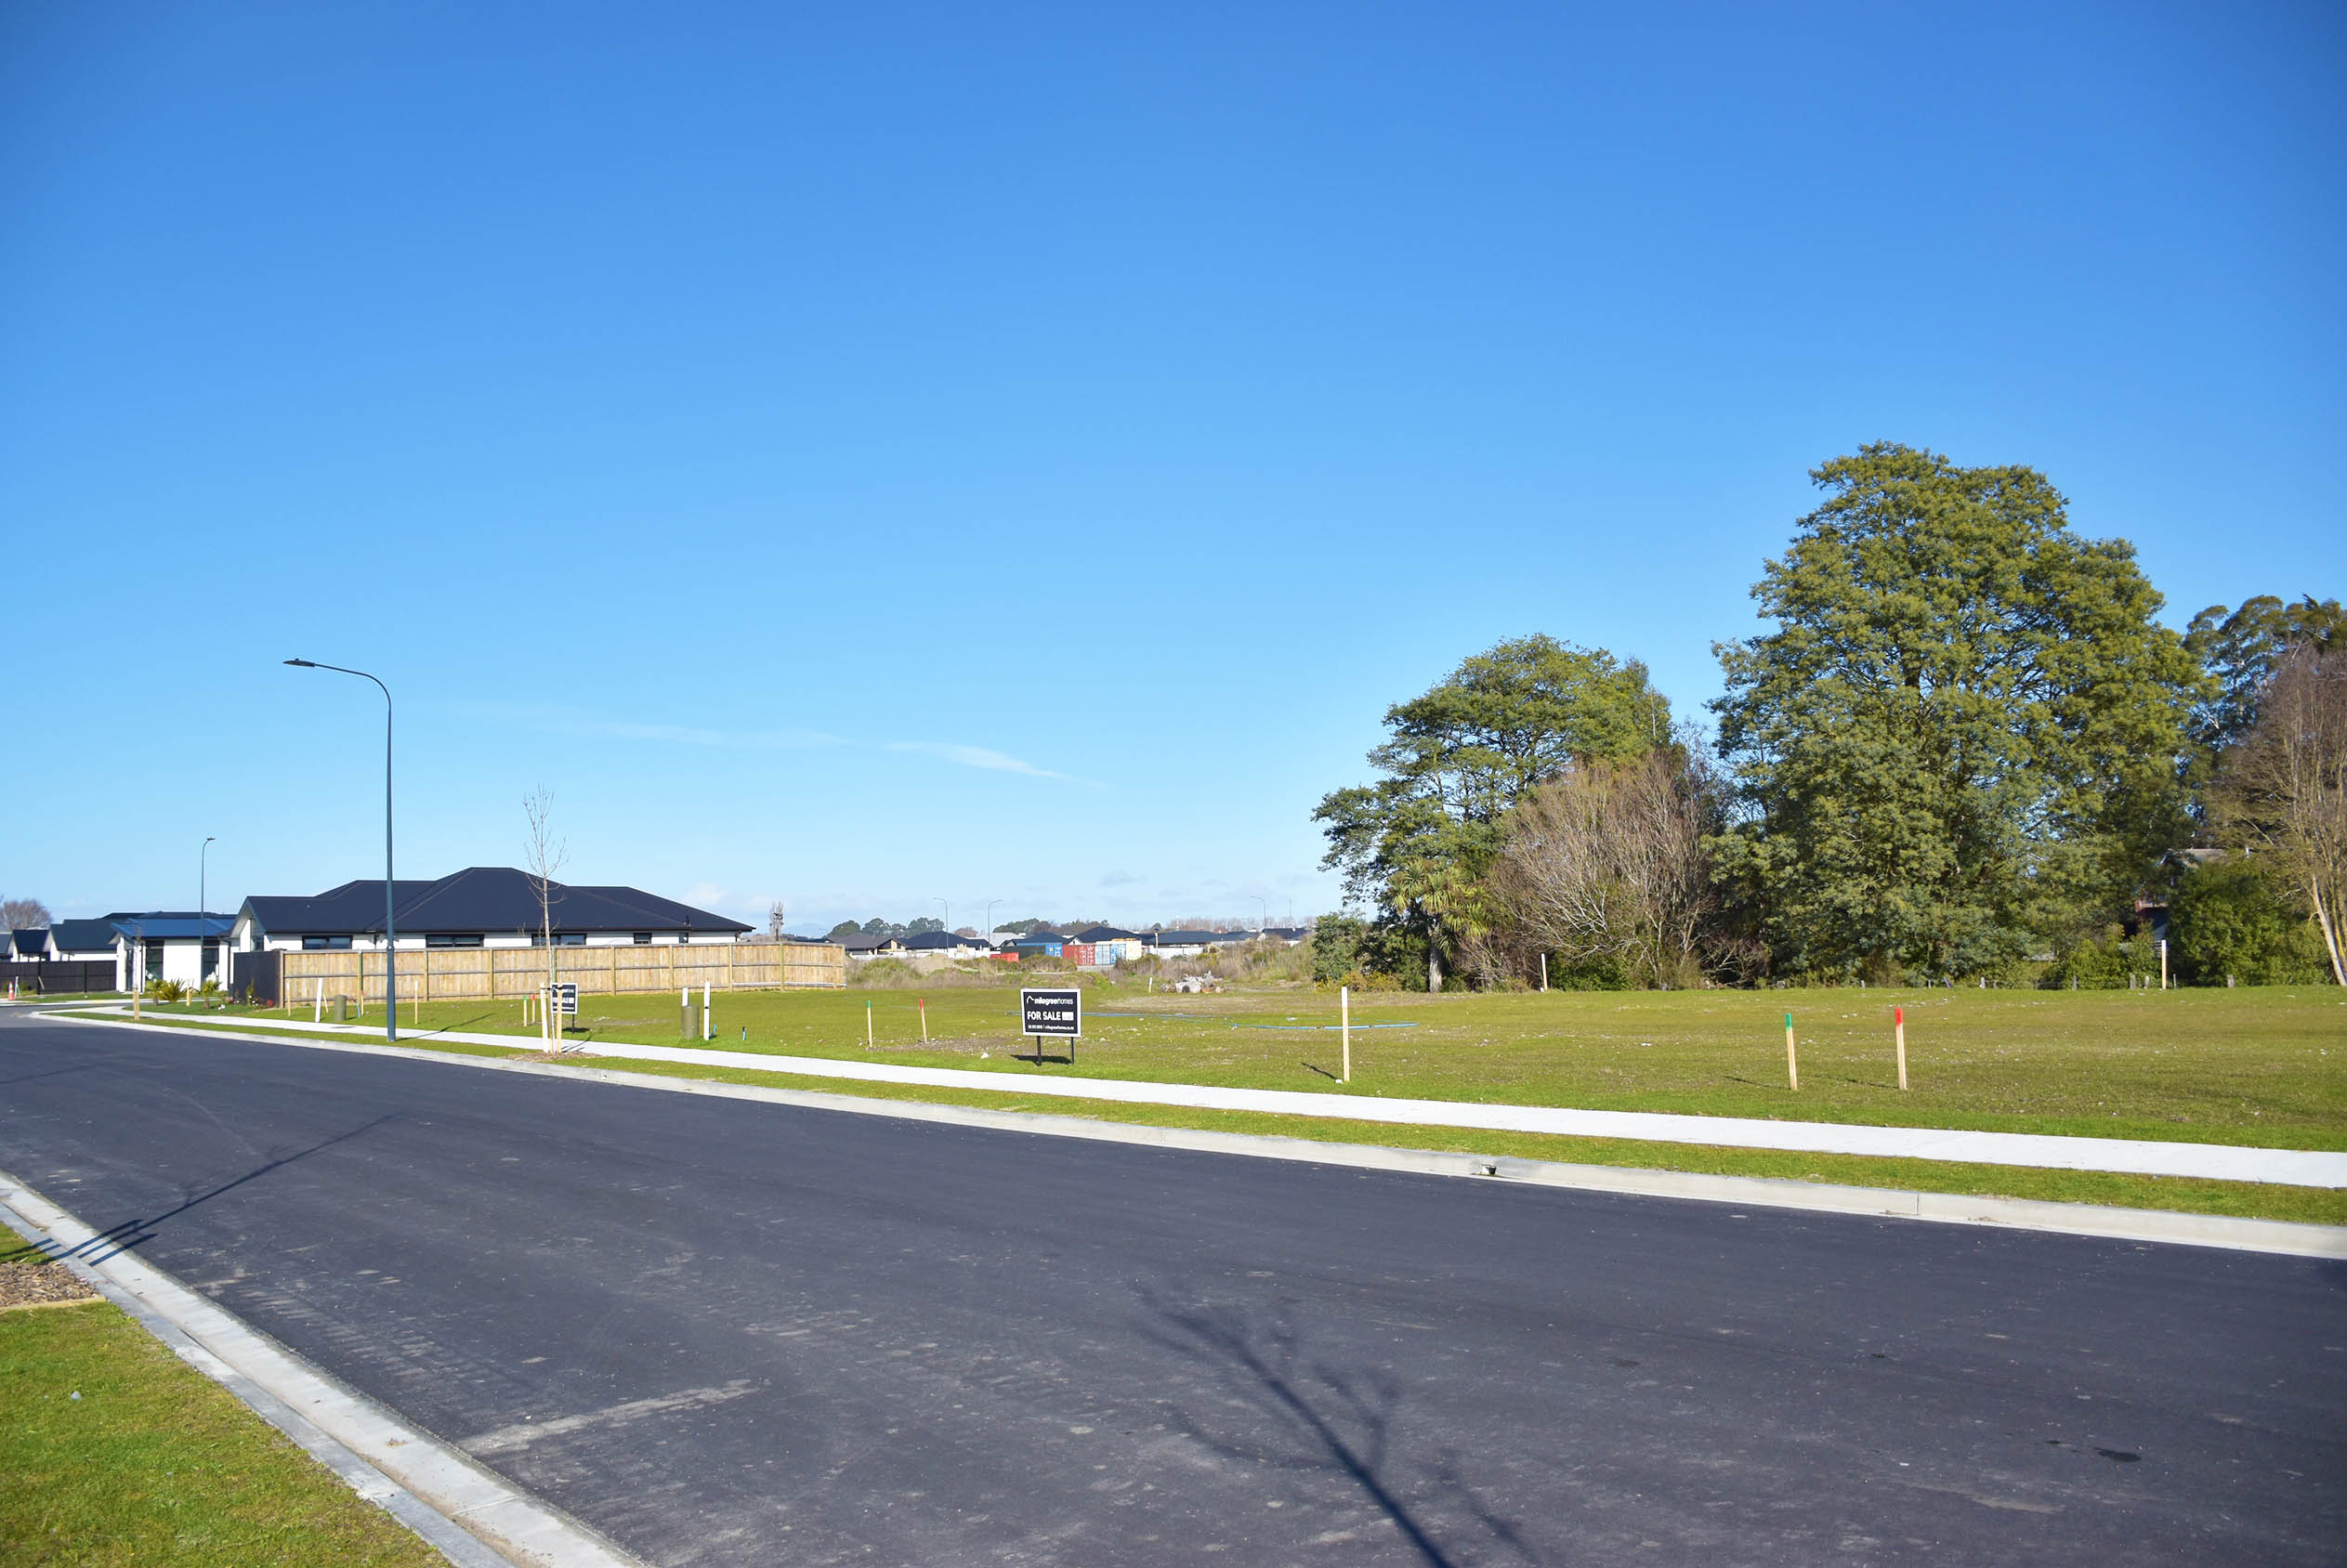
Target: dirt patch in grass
{"points": [[29, 1280]]}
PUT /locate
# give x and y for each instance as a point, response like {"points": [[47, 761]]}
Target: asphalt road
{"points": [[731, 1333]]}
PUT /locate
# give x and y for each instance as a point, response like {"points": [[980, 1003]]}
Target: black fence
{"points": [[58, 978], [253, 977]]}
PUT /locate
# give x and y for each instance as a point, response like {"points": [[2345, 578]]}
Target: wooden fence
{"points": [[458, 974]]}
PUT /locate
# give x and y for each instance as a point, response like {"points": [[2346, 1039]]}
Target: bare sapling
{"points": [[547, 854]]}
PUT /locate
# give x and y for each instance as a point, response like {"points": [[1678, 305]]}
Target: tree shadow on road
{"points": [[127, 1234], [1315, 1416]]}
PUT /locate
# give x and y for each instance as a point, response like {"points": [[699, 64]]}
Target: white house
{"points": [[177, 945]]}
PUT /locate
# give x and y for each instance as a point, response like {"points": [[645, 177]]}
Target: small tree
{"points": [[547, 854], [24, 914], [1606, 868], [774, 919], [2283, 790]]}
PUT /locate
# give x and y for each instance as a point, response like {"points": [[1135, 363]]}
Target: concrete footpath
{"points": [[2220, 1162]]}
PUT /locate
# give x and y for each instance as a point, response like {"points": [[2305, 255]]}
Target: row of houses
{"points": [[1096, 947], [479, 906], [489, 906]]}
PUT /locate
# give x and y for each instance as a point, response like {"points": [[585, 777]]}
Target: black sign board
{"points": [[566, 997], [1051, 1012]]}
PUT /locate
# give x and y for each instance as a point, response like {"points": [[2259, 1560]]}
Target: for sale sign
{"points": [[1051, 1012], [564, 997]]}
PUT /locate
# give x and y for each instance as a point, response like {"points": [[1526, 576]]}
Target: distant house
{"points": [[479, 906], [2153, 898], [1040, 942], [1178, 944], [945, 944], [1290, 935], [90, 941], [171, 945], [1106, 945], [865, 944], [28, 947]]}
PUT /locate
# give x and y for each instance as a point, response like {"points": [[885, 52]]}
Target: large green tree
{"points": [[1967, 731], [2242, 650], [1417, 842]]}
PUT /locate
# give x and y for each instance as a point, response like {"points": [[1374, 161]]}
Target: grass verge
{"points": [[112, 1451], [2264, 1067], [2258, 1200]]}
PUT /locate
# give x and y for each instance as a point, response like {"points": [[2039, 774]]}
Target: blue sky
{"points": [[872, 454]]}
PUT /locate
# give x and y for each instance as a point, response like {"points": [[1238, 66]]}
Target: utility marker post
{"points": [[867, 1026], [1793, 1063], [1899, 1033], [708, 1029], [2163, 963], [924, 1018], [1543, 972], [1344, 1023]]}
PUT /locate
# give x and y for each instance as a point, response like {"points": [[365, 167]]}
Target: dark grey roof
{"points": [[864, 942], [936, 941], [1105, 933], [483, 899], [163, 925], [86, 937], [1183, 938], [30, 944]]}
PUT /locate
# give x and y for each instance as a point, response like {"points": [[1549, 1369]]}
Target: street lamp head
{"points": [[301, 664]]}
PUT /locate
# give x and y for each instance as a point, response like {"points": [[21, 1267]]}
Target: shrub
{"points": [[1336, 947], [2228, 919]]}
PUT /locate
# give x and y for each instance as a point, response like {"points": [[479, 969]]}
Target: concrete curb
{"points": [[472, 1516], [2127, 1157], [2066, 1219]]}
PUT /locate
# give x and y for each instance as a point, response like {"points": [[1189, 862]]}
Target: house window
{"points": [[561, 938], [684, 937], [452, 939], [643, 938], [325, 944]]}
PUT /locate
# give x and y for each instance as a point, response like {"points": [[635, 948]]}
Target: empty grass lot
{"points": [[2253, 1066], [155, 1464]]}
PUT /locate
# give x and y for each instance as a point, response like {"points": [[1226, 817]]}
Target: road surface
{"points": [[724, 1332]]}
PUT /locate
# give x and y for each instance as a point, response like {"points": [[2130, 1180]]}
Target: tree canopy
{"points": [[2243, 649], [1966, 726], [1417, 842]]}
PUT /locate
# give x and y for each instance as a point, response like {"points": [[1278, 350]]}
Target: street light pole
{"points": [[989, 933], [203, 897], [391, 929], [1266, 911], [948, 926]]}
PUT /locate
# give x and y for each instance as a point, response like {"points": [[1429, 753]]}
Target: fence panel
{"points": [[488, 973], [58, 977]]}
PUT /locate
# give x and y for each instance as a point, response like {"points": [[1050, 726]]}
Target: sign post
{"points": [[562, 999], [1059, 1013]]}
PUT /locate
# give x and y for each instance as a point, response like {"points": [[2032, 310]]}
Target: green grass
{"points": [[156, 1464], [2264, 1067], [2244, 1199]]}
